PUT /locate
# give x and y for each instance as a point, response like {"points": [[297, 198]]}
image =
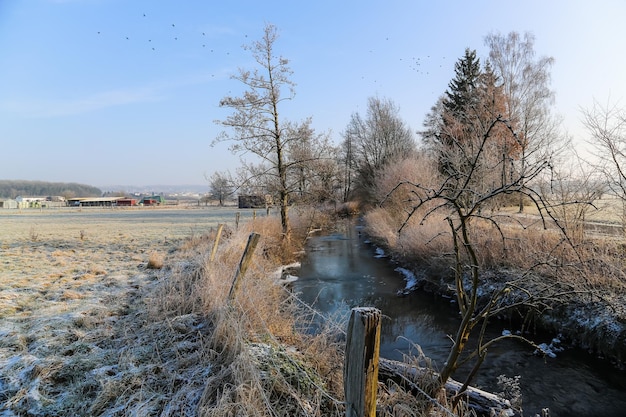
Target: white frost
{"points": [[409, 277]]}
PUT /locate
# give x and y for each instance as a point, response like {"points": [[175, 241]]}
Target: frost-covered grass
{"points": [[74, 329], [115, 318]]}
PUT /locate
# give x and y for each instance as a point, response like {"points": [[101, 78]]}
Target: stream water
{"points": [[342, 271]]}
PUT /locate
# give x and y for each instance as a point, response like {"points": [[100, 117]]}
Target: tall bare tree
{"points": [[526, 86], [348, 164], [255, 125], [476, 145], [374, 142], [607, 128], [460, 197]]}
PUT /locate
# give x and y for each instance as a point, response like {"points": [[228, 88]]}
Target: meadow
{"points": [[85, 324], [56, 258]]}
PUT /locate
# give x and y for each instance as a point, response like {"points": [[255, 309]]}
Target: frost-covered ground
{"points": [[76, 335]]}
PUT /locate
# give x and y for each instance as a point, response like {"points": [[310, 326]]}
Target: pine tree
{"points": [[474, 151], [461, 94], [459, 107]]}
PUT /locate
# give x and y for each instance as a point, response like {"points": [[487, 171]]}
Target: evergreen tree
{"points": [[457, 109], [458, 124], [461, 94]]}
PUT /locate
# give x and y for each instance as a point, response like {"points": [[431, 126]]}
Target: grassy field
{"points": [[73, 323], [56, 259]]}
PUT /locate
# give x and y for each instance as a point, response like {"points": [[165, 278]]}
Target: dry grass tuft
{"points": [[155, 261], [254, 374], [349, 208]]}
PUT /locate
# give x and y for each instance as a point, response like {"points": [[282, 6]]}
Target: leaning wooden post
{"points": [[360, 373], [218, 234], [253, 239]]}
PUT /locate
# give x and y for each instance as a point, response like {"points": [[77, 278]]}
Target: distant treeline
{"points": [[14, 188]]}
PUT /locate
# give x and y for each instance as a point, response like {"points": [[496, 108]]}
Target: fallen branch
{"points": [[408, 377]]}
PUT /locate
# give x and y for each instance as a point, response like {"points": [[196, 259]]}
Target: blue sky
{"points": [[121, 92]]}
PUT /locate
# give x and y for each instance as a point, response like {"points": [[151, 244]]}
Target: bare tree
{"points": [[525, 83], [461, 196], [374, 142], [478, 149], [312, 167], [220, 186], [292, 158], [607, 127], [255, 125], [348, 164]]}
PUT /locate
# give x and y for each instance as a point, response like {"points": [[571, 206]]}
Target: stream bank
{"points": [[342, 270], [590, 321]]}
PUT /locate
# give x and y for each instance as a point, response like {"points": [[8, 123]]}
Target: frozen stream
{"points": [[341, 271]]}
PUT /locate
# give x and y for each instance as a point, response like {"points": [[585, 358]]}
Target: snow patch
{"points": [[410, 278], [550, 349], [284, 274]]}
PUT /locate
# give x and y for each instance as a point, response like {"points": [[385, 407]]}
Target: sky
{"points": [[121, 92]]}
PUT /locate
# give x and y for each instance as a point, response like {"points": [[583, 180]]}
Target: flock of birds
{"points": [[174, 36], [420, 65]]}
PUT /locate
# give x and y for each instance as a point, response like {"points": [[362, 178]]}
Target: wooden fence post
{"points": [[253, 239], [237, 215], [218, 234], [360, 373]]}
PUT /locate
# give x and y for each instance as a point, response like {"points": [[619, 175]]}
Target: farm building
{"points": [[39, 202], [26, 202], [8, 204], [255, 201], [126, 202], [93, 201], [153, 200]]}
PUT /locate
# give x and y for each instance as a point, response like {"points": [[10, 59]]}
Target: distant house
{"points": [[126, 202], [255, 201], [154, 200], [27, 202]]}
